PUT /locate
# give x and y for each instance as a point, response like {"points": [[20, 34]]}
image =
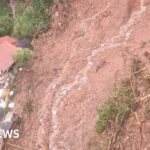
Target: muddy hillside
{"points": [[77, 64]]}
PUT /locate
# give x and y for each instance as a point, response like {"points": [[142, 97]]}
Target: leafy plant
{"points": [[23, 57], [6, 21], [33, 20], [6, 25], [119, 104]]}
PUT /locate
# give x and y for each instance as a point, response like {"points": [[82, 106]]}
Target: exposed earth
{"points": [[78, 62]]}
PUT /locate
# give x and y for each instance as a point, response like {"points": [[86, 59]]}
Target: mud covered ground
{"points": [[88, 50]]}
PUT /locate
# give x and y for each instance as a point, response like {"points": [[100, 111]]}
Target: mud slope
{"points": [[78, 62]]}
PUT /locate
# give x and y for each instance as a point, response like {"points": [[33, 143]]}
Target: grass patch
{"points": [[128, 96], [121, 103], [23, 57]]}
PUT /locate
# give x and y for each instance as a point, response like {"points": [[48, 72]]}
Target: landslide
{"points": [[78, 62]]}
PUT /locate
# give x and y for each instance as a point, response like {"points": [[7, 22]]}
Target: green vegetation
{"points": [[23, 57], [6, 25], [31, 19], [25, 25], [118, 106], [6, 22], [130, 99], [117, 109]]}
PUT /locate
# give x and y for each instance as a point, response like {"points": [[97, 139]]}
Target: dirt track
{"points": [[78, 62]]}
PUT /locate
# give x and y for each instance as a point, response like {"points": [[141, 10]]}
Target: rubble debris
{"points": [[7, 122], [6, 103]]}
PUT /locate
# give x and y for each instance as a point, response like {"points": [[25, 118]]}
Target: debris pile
{"points": [[8, 47], [6, 104]]}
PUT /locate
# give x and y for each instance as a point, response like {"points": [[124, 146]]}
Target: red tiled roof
{"points": [[6, 55], [8, 39]]}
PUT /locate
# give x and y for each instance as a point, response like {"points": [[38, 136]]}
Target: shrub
{"points": [[33, 20], [118, 106], [25, 25], [3, 8], [6, 21], [23, 57], [30, 20], [6, 25], [41, 6]]}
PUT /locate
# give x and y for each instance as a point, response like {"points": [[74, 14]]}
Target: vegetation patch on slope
{"points": [[118, 107], [128, 99], [30, 20], [23, 57], [6, 21]]}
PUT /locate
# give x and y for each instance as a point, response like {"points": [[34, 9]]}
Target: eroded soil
{"points": [[78, 63]]}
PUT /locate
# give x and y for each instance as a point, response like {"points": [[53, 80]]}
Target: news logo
{"points": [[9, 134]]}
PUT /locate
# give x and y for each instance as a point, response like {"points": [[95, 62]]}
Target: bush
{"points": [[6, 25], [118, 106], [25, 25], [6, 21], [33, 20], [23, 57], [30, 20], [3, 8], [41, 6]]}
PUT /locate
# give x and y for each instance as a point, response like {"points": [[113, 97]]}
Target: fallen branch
{"points": [[111, 141], [116, 132]]}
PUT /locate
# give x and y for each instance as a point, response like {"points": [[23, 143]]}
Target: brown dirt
{"points": [[78, 62]]}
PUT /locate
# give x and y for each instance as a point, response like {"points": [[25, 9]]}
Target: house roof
{"points": [[8, 39], [6, 55]]}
